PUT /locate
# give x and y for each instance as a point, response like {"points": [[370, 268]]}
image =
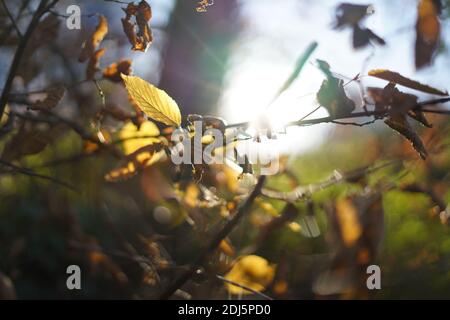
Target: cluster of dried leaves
{"points": [[142, 13]]}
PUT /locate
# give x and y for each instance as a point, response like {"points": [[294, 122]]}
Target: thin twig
{"points": [[12, 19], [305, 192], [31, 173], [75, 126], [354, 115], [354, 123]]}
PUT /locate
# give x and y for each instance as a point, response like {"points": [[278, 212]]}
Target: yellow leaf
{"points": [[133, 139], [347, 215], [294, 226], [406, 82], [250, 271], [191, 195], [155, 103], [136, 161], [226, 247]]}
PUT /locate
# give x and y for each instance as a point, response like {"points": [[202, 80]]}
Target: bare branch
{"points": [[364, 114], [12, 19], [305, 192]]}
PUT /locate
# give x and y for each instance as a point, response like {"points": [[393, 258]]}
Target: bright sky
{"points": [[277, 32]]}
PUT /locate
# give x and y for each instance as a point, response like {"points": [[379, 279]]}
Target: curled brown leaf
{"points": [[93, 65], [113, 71], [90, 45]]}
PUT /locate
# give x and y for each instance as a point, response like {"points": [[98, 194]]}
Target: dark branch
{"points": [[41, 10], [31, 173]]}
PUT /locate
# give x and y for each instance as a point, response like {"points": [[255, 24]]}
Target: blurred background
{"points": [[132, 238]]}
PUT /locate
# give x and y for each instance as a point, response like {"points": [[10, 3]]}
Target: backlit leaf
{"points": [[134, 138], [134, 163], [155, 103], [332, 95], [250, 271]]}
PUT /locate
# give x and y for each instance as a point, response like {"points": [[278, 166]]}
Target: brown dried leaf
{"points": [[143, 16], [144, 11], [54, 96], [394, 101], [94, 62], [400, 124], [113, 71], [25, 143], [130, 10], [129, 29], [134, 163], [428, 30], [90, 45], [143, 38], [397, 78]]}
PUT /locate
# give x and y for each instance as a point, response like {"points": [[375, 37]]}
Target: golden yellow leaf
{"points": [[226, 247], [136, 161], [154, 102], [191, 195], [134, 138], [347, 215], [406, 82], [250, 271], [294, 226]]}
